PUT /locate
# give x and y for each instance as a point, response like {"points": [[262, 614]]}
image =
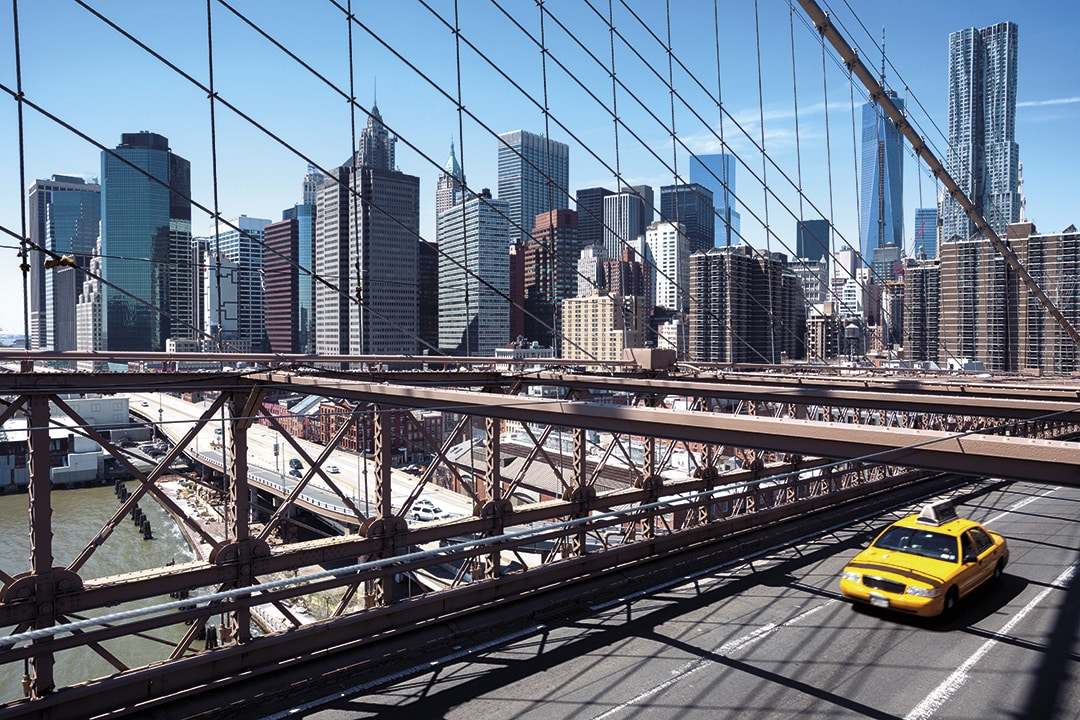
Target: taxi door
{"points": [[971, 570]]}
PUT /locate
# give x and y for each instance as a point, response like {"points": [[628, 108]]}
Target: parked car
{"points": [[924, 563]]}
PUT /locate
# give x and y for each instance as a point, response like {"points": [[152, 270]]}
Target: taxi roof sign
{"points": [[938, 513]]}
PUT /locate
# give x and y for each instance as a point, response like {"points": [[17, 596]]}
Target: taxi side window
{"points": [[983, 541], [968, 545]]}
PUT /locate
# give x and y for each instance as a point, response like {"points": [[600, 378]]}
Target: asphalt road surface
{"points": [[773, 639]]}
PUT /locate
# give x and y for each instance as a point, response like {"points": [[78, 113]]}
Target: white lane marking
{"points": [[933, 702], [726, 649], [1020, 504]]}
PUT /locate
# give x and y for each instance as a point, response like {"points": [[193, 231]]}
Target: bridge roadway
{"points": [[270, 473], [772, 639]]}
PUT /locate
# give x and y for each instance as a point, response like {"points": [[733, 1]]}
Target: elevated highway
{"points": [[268, 463]]}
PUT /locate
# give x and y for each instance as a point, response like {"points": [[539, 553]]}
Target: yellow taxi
{"points": [[924, 563]]}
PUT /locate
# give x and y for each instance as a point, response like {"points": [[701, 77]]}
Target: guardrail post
{"points": [[387, 524], [239, 528], [495, 506], [649, 481], [582, 492], [41, 681]]}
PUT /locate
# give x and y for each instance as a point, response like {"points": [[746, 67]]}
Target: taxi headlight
{"points": [[851, 576], [923, 592]]}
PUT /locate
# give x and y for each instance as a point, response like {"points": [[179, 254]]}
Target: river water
{"points": [[78, 515]]}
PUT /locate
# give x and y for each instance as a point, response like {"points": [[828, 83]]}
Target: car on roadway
{"points": [[295, 464], [924, 564], [427, 512], [333, 469], [296, 473]]}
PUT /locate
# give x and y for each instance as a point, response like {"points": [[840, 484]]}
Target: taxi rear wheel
{"points": [[999, 571]]}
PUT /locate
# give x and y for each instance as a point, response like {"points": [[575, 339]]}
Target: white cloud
{"points": [[1054, 101]]}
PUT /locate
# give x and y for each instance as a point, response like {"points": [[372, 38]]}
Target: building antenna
{"points": [[882, 57]]}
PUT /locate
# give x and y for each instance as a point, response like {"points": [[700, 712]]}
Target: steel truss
{"points": [[809, 447]]}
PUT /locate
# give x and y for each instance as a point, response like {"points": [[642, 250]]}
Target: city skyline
{"points": [[271, 191]]}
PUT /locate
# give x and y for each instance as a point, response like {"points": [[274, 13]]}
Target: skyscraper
{"points": [[534, 178], [626, 215], [717, 173], [983, 157], [590, 208], [288, 302], [145, 237], [812, 239], [669, 249], [550, 274], [367, 221], [240, 242], [690, 205], [450, 184], [745, 306], [65, 213], [881, 201], [926, 232], [474, 276]]}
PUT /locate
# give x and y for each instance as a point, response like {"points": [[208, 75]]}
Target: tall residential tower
{"points": [[983, 156]]}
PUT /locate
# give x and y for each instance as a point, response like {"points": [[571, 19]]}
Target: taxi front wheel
{"points": [[951, 598]]}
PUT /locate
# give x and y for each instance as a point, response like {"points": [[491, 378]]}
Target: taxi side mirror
{"points": [[970, 558]]}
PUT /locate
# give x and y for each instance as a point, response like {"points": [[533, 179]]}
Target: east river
{"points": [[77, 517]]}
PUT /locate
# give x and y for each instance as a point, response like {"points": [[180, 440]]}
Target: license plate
{"points": [[879, 601]]}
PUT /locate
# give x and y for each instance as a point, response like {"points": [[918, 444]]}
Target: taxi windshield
{"points": [[916, 541]]}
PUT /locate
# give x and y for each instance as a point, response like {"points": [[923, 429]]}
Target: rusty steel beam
{"points": [[1009, 400], [998, 456], [1062, 404]]}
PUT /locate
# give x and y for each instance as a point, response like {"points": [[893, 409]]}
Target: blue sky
{"points": [[83, 71]]}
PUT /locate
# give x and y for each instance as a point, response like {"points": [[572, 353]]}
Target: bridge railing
{"points": [[390, 575]]}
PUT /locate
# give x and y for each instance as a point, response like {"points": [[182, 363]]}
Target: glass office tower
{"points": [[534, 178], [717, 173], [64, 216], [881, 190], [145, 224]]}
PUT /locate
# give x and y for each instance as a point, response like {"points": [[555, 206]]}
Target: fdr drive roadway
{"points": [[771, 638]]}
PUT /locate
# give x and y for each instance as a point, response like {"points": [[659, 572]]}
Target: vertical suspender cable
{"points": [[464, 198], [550, 254], [354, 225], [216, 239], [855, 162], [618, 167], [24, 247], [795, 95], [726, 219], [765, 185]]}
